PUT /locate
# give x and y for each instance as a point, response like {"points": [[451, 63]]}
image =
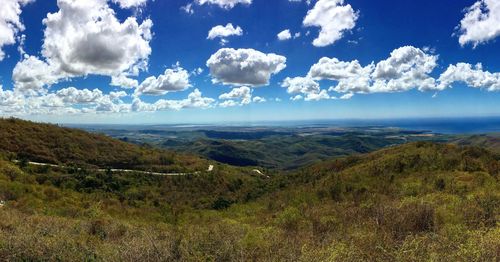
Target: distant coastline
{"points": [[442, 125]]}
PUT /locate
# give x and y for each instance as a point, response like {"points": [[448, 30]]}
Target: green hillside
{"points": [[415, 202], [490, 141], [48, 143], [282, 151]]}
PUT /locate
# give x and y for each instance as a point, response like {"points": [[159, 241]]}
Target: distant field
{"points": [[271, 147]]}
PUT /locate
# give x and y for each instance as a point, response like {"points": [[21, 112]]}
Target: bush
{"points": [[289, 219]]}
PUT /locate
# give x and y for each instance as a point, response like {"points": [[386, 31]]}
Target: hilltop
{"points": [[489, 141], [48, 143]]}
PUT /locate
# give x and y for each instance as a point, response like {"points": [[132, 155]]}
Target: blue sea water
{"points": [[481, 125], [465, 125]]}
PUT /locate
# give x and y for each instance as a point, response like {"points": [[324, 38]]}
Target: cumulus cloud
{"points": [[333, 17], [243, 94], [226, 4], [229, 103], [472, 76], [130, 3], [76, 96], [194, 100], [407, 68], [347, 96], [323, 94], [64, 101], [84, 101], [32, 74], [224, 31], [86, 37], [172, 80], [481, 23], [124, 82], [258, 99], [304, 85], [244, 67], [10, 22], [351, 76], [284, 35], [10, 101], [304, 88]]}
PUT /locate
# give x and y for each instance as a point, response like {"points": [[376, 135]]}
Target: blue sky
{"points": [[409, 42]]}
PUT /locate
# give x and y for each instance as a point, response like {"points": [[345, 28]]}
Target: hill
{"points": [[53, 144], [282, 151], [490, 141], [415, 202]]}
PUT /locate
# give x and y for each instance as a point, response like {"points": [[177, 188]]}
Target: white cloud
{"points": [[75, 101], [10, 23], [284, 35], [188, 8], [472, 76], [323, 94], [258, 99], [173, 80], [244, 94], [304, 85], [10, 101], [124, 82], [72, 95], [85, 37], [224, 31], [64, 101], [198, 71], [351, 76], [347, 96], [31, 75], [481, 23], [244, 66], [194, 100], [407, 68], [333, 17], [117, 94], [229, 103], [226, 4], [130, 3]]}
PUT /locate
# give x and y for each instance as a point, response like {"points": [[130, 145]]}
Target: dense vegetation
{"points": [[283, 151], [490, 141], [48, 143], [416, 202], [283, 148]]}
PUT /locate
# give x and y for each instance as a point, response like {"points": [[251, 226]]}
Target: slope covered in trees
{"points": [[416, 202], [48, 143]]}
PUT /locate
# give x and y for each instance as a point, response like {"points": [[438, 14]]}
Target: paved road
{"points": [[115, 170]]}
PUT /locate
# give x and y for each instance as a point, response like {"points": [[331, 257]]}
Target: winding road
{"points": [[115, 170]]}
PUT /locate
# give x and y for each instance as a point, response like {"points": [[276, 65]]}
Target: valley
{"points": [[429, 196]]}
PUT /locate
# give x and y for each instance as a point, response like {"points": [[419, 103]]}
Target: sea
{"points": [[463, 125], [455, 125]]}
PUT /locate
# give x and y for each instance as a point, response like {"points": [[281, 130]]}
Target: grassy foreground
{"points": [[417, 202]]}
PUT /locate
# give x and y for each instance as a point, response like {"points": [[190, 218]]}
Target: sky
{"points": [[211, 61]]}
